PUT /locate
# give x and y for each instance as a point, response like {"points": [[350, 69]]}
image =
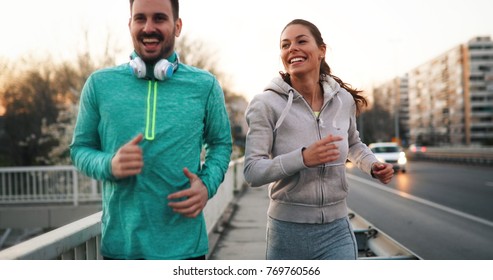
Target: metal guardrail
{"points": [[76, 241], [374, 244], [47, 184], [80, 240], [465, 155]]}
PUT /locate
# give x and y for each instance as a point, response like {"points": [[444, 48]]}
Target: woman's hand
{"points": [[322, 151], [382, 171]]}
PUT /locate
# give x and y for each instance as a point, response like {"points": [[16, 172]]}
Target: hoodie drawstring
{"points": [[151, 112], [286, 109]]}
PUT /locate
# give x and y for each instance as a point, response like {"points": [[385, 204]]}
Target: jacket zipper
{"points": [[322, 170], [150, 132]]}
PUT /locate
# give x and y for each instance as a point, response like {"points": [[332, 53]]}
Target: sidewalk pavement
{"points": [[243, 234]]}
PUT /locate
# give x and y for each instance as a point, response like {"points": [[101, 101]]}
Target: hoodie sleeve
{"points": [[359, 153], [260, 168], [218, 141], [85, 149]]}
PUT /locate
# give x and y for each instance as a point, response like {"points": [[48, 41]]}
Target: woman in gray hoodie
{"points": [[302, 129]]}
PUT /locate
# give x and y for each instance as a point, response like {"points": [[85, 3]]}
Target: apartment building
{"points": [[480, 84], [394, 98], [450, 97]]}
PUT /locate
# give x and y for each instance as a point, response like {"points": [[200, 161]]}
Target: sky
{"points": [[369, 41]]}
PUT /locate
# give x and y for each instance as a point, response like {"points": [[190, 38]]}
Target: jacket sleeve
{"points": [[85, 149], [217, 140], [260, 167], [359, 153]]}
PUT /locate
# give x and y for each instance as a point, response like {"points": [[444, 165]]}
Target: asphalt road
{"points": [[438, 211]]}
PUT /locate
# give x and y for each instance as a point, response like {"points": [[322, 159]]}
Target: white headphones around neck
{"points": [[163, 69]]}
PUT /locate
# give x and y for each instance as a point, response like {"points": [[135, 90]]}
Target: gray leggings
{"points": [[296, 241]]}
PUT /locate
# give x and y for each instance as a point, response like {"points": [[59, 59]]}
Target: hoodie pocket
{"points": [[334, 184], [301, 188]]}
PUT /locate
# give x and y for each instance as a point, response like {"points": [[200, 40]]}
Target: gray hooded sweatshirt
{"points": [[281, 123]]}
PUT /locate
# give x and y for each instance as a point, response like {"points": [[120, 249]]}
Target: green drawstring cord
{"points": [[151, 123]]}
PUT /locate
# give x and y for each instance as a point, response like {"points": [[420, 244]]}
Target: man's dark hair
{"points": [[175, 6]]}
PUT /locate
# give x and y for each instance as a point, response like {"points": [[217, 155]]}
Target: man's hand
{"points": [[382, 171], [322, 151], [128, 160], [196, 197]]}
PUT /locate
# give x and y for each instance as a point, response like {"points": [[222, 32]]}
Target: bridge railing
{"points": [[80, 240], [455, 154], [47, 184]]}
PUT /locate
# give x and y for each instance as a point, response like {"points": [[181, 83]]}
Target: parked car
{"points": [[392, 153]]}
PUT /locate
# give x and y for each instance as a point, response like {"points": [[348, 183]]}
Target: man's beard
{"points": [[167, 49]]}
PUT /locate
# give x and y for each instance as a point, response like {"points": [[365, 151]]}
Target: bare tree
{"points": [[71, 77], [39, 97], [375, 126], [41, 101], [196, 53]]}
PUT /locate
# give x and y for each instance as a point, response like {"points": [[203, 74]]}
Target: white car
{"points": [[390, 152]]}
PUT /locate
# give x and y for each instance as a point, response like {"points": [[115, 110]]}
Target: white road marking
{"points": [[420, 200]]}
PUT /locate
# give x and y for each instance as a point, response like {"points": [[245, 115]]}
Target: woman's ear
{"points": [[323, 50]]}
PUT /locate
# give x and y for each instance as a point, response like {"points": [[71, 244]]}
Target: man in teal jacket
{"points": [[141, 129]]}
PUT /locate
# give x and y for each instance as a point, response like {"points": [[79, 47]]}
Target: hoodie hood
{"points": [[330, 87]]}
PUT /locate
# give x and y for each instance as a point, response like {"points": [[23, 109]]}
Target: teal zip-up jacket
{"points": [[177, 117]]}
